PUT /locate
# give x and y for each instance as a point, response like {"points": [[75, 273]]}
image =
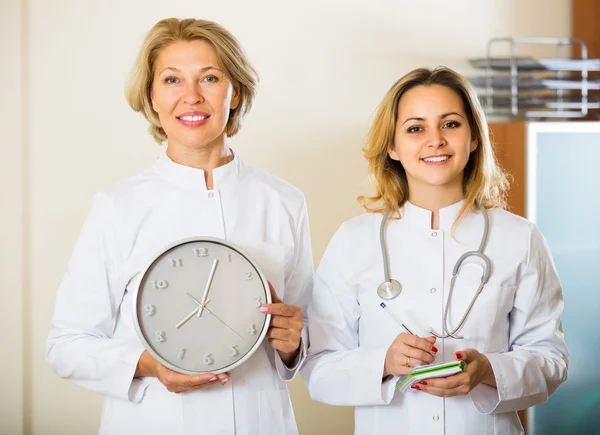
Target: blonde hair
{"points": [[229, 51], [484, 181]]}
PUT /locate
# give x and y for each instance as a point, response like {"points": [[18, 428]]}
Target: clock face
{"points": [[198, 306]]}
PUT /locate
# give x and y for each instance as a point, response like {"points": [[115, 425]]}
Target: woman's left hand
{"points": [[478, 370], [287, 322]]}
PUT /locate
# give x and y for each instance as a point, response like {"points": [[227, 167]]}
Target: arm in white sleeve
{"points": [[299, 276], [537, 360], [338, 369], [80, 346]]}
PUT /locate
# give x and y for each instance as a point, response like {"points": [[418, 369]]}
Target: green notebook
{"points": [[435, 370]]}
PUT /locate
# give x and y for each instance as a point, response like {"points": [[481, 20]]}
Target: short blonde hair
{"points": [[229, 51], [484, 181]]}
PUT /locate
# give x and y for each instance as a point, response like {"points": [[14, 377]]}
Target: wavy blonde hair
{"points": [[229, 52], [484, 182]]}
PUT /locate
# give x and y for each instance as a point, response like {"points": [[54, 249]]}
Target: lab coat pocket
{"points": [[274, 409], [271, 260]]}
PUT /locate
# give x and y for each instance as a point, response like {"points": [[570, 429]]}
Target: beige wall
{"points": [[14, 335], [324, 65]]}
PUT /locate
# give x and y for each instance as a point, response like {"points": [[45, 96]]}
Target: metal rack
{"points": [[527, 87]]}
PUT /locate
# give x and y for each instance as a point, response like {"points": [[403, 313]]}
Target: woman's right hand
{"points": [[173, 381], [408, 351]]}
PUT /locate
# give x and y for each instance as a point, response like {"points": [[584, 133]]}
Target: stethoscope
{"points": [[390, 288]]}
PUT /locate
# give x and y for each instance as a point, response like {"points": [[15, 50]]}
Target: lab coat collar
{"points": [[421, 218], [193, 178]]}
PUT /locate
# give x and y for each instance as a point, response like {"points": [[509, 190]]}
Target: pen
{"points": [[393, 316]]}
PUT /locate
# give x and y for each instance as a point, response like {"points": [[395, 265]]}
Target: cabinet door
{"points": [[563, 198]]}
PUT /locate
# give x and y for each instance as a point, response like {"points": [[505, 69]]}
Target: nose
{"points": [[193, 94], [436, 139]]}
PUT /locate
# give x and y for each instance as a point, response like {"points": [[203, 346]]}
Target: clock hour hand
{"points": [[189, 316], [207, 288], [200, 306]]}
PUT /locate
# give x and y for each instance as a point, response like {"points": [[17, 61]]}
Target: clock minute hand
{"points": [[210, 312], [207, 288]]}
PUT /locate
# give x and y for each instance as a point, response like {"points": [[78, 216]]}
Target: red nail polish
{"points": [[434, 349], [415, 387], [457, 355], [423, 383]]}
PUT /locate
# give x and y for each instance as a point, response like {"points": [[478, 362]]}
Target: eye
{"points": [[414, 129], [451, 124], [171, 80], [211, 79]]}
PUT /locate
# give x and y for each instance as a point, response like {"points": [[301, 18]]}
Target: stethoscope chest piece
{"points": [[389, 289]]}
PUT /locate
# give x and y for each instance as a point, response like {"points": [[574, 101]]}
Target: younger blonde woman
{"points": [[438, 187]]}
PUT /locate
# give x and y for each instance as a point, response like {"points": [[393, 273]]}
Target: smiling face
{"points": [[432, 139], [193, 96]]}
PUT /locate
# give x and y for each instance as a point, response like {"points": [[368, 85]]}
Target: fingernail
{"points": [[415, 387], [457, 355], [213, 379], [423, 383], [224, 381], [434, 349], [263, 309]]}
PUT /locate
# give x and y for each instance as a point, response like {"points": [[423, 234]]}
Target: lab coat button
{"points": [[434, 234], [210, 195], [436, 417], [432, 290]]}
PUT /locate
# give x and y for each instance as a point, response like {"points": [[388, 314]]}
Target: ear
{"points": [[152, 100], [235, 98], [392, 152], [474, 145]]}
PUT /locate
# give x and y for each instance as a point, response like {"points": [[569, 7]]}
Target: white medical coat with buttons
{"points": [[127, 225], [515, 322]]}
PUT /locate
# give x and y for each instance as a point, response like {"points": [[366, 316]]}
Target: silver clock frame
{"points": [[229, 245]]}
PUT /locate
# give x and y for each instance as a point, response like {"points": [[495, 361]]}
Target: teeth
{"points": [[193, 118], [436, 159]]}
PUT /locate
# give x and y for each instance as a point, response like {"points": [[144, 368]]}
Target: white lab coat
{"points": [[127, 225], [516, 321]]}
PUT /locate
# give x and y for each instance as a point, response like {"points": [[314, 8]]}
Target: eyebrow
{"points": [[172, 68], [445, 115]]}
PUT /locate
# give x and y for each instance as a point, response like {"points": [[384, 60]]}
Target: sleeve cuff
{"points": [[137, 386], [288, 373], [518, 385]]}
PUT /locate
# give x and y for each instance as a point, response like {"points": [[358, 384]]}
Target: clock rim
{"points": [[227, 244]]}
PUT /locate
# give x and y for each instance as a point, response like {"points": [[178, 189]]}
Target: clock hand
{"points": [[207, 288], [189, 316], [210, 312]]}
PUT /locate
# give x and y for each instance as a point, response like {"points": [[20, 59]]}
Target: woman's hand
{"points": [[478, 370], [285, 332], [408, 351], [173, 381]]}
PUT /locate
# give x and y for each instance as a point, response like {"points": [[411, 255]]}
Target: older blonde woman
{"points": [[438, 188], [193, 83]]}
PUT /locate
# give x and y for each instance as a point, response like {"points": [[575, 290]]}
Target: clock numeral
{"points": [[200, 252], [229, 257], [180, 352], [159, 336], [161, 284], [257, 301], [149, 310], [233, 350], [252, 329], [249, 276], [208, 359], [176, 262]]}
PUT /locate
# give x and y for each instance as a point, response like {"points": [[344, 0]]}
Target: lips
{"points": [[193, 119]]}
